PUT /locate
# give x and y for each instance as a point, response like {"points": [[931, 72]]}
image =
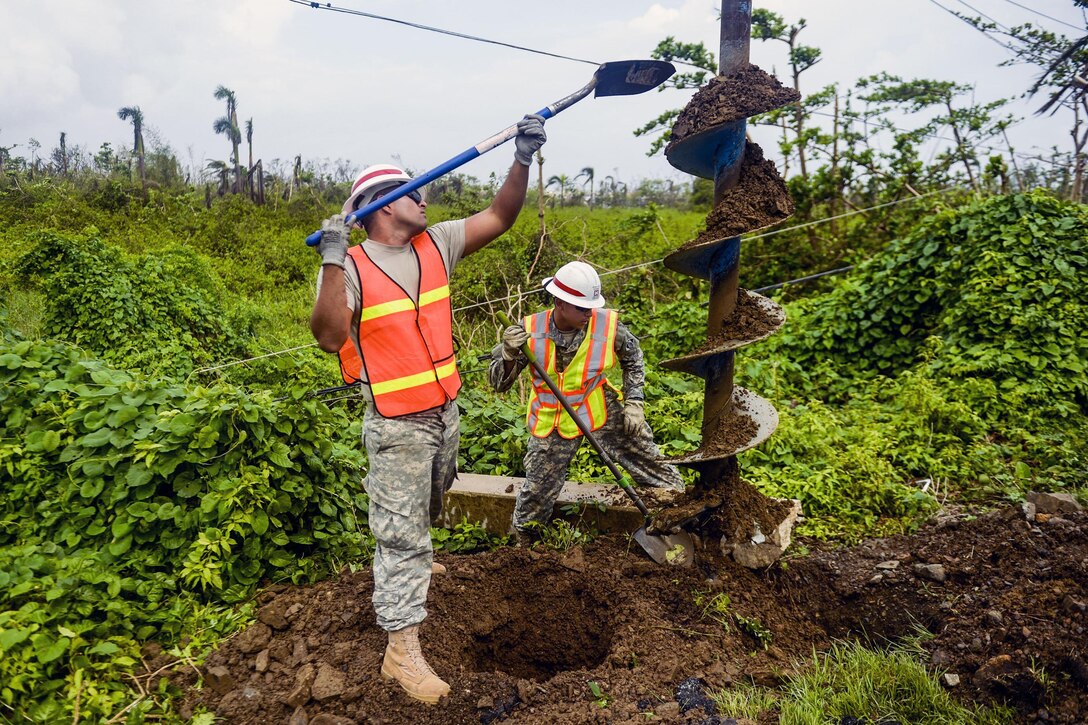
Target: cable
{"points": [[1048, 17], [1002, 26], [953, 13], [626, 269], [251, 359], [348, 11], [455, 34]]}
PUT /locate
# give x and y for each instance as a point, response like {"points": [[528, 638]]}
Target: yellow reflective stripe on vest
{"points": [[436, 295], [373, 312], [411, 381]]}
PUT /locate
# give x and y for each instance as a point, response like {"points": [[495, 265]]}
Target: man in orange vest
{"points": [[577, 342], [384, 306]]}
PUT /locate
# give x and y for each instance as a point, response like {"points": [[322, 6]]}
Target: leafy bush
{"points": [[127, 499]]}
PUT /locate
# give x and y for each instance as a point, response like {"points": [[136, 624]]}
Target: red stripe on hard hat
{"points": [[567, 289], [381, 172]]}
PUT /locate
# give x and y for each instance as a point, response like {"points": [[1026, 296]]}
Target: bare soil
{"points": [[760, 199], [730, 98], [519, 634]]}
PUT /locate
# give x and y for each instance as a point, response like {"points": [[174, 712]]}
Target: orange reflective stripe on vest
{"points": [[582, 383], [407, 349]]}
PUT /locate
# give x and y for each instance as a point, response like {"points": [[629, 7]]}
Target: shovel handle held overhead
{"points": [[627, 488]]}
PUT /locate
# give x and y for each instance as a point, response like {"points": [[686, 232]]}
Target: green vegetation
{"points": [[152, 487], [851, 680]]}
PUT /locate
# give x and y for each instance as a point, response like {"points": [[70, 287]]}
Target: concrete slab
{"points": [[489, 501]]}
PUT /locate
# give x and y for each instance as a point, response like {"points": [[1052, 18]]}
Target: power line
{"points": [[997, 24], [431, 29], [454, 33], [1048, 17], [954, 14], [639, 265]]}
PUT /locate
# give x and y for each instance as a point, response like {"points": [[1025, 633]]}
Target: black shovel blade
{"points": [[670, 549], [629, 77]]}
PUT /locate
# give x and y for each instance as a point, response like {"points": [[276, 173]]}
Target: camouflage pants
{"points": [[547, 460], [413, 462]]}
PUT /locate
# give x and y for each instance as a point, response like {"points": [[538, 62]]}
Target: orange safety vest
{"points": [[582, 383], [407, 348]]}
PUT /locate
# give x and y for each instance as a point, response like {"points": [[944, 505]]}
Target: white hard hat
{"points": [[576, 283], [372, 180]]}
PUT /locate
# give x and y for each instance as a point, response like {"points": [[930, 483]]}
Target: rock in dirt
{"points": [[274, 615], [260, 662], [219, 679], [328, 683], [950, 679], [933, 572], [761, 554], [1054, 503], [299, 717], [254, 638]]}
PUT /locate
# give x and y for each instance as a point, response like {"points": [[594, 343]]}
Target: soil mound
{"points": [[522, 634], [724, 99]]}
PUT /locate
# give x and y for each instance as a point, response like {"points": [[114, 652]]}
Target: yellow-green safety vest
{"points": [[582, 382]]}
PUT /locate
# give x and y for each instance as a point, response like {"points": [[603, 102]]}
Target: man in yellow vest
{"points": [[577, 342], [384, 306]]}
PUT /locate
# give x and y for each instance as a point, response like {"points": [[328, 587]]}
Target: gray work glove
{"points": [[530, 137], [634, 418], [513, 338], [333, 246]]}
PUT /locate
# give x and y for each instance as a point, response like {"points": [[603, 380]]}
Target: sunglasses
{"points": [[414, 195]]}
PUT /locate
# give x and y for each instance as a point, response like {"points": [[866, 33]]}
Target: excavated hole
{"points": [[543, 631]]}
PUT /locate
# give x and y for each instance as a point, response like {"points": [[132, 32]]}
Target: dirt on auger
{"points": [[601, 633], [730, 98]]}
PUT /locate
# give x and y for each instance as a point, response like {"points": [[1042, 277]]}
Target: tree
{"points": [[228, 126], [767, 25], [971, 126], [670, 50], [563, 182], [134, 114], [249, 140], [588, 173], [1064, 76]]}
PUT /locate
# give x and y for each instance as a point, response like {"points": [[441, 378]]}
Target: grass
{"points": [[850, 680]]}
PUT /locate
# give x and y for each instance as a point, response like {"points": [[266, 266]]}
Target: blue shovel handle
{"points": [[427, 177]]}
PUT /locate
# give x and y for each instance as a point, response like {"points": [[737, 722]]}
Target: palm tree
{"points": [[249, 140], [563, 181], [220, 169], [228, 126], [588, 173], [134, 114]]}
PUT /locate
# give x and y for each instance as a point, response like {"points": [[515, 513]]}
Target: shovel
{"points": [[676, 549], [618, 78]]}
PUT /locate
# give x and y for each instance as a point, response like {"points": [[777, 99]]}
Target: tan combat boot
{"points": [[404, 663]]}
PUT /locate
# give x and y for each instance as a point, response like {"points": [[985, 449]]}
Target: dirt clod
{"points": [[760, 199]]}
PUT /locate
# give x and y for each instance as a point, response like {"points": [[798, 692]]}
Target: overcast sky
{"points": [[334, 86]]}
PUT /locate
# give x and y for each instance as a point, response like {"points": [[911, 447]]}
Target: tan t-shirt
{"points": [[400, 264]]}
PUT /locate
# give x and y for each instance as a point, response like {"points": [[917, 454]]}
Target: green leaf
{"points": [[104, 648], [259, 522]]}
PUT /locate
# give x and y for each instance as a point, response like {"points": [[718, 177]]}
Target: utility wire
{"points": [[1002, 26], [954, 14], [454, 33], [1048, 17], [418, 26], [639, 265]]}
